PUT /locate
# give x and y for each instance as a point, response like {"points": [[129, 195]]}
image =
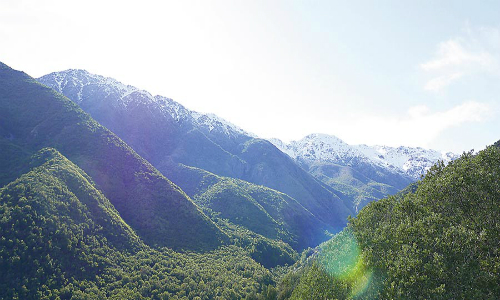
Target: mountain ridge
{"points": [[80, 79], [166, 134], [35, 117]]}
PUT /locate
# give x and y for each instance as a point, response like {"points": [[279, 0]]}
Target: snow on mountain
{"points": [[412, 162], [75, 82], [79, 79], [213, 122]]}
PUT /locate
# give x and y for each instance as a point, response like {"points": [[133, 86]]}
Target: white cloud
{"points": [[438, 83], [478, 51], [419, 126], [457, 53]]}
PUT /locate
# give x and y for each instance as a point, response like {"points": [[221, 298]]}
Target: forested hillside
{"points": [[440, 241], [62, 239]]}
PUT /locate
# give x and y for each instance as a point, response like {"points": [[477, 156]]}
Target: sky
{"points": [[412, 73]]}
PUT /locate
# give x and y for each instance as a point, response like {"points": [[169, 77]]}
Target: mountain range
{"points": [[107, 191], [364, 173], [171, 137], [34, 117], [84, 216], [334, 179]]}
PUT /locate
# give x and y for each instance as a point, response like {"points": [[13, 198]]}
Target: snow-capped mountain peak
{"points": [[412, 162], [79, 79], [319, 147], [81, 86]]}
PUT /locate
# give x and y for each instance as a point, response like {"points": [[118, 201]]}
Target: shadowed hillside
{"points": [[34, 116]]}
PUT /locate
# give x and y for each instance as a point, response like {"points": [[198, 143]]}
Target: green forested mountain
{"points": [[438, 240], [33, 116], [82, 216], [263, 210], [56, 225], [61, 238]]}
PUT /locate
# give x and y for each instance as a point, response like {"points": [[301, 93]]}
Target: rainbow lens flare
{"points": [[341, 258]]}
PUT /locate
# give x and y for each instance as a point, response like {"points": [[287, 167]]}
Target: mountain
{"points": [[364, 173], [439, 241], [167, 134], [264, 211], [33, 117]]}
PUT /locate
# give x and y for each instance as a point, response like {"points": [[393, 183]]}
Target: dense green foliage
{"points": [[60, 237], [226, 273], [268, 252], [56, 225], [439, 239], [336, 269], [33, 116], [442, 241]]}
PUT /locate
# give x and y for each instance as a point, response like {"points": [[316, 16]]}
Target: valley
{"points": [[109, 192]]}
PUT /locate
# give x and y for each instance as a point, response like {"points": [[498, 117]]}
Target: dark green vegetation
{"points": [[61, 238], [439, 239], [335, 270]]}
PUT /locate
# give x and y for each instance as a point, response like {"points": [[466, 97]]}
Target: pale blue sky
{"points": [[416, 73]]}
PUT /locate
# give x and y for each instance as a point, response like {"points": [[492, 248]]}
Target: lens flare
{"points": [[341, 257]]}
